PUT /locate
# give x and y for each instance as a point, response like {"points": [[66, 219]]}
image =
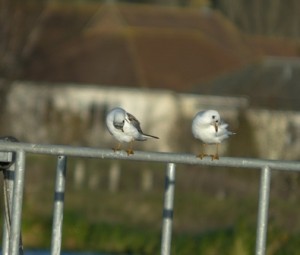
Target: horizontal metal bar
{"points": [[165, 157]]}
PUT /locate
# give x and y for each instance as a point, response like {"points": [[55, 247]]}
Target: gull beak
{"points": [[216, 126]]}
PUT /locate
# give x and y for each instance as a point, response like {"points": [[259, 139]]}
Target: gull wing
{"points": [[134, 122]]}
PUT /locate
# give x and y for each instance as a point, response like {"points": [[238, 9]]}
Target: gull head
{"points": [[119, 115], [212, 117]]}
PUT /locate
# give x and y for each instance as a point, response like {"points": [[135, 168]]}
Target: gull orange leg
{"points": [[202, 154], [216, 156], [130, 150], [117, 148]]}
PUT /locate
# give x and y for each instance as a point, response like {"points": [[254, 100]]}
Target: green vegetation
{"points": [[102, 236]]}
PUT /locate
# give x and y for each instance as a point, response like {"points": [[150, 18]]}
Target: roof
{"points": [[273, 82], [141, 46]]}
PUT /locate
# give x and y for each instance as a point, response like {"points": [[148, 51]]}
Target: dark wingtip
{"points": [[152, 136]]}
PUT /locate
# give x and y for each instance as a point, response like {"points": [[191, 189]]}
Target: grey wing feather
{"points": [[134, 122]]}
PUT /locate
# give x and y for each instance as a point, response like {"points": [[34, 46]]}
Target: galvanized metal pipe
{"points": [[58, 205], [8, 186], [168, 209], [263, 207], [14, 240], [165, 157], [265, 166]]}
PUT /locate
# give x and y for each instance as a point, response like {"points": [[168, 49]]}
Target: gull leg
{"points": [[216, 156], [117, 148], [202, 154], [130, 150]]}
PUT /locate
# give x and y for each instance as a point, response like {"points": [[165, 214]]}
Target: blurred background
{"points": [[64, 64]]}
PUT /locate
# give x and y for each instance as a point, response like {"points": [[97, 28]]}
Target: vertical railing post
{"points": [[263, 206], [168, 209], [7, 191], [15, 246], [8, 186], [58, 205]]}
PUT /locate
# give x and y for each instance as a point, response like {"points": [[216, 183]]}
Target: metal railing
{"points": [[17, 151]]}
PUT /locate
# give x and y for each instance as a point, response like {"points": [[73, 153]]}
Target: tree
{"points": [[20, 23], [267, 17]]}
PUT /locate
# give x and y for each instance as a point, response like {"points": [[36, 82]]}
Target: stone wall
{"points": [[75, 114]]}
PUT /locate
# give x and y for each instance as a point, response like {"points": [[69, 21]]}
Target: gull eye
{"points": [[213, 116]]}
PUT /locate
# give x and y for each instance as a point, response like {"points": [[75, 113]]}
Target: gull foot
{"points": [[201, 155], [116, 149], [214, 157], [130, 152]]}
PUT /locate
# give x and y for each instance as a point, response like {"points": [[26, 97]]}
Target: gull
{"points": [[125, 128], [208, 127]]}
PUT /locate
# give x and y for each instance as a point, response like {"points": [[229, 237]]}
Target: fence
{"points": [[14, 177]]}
